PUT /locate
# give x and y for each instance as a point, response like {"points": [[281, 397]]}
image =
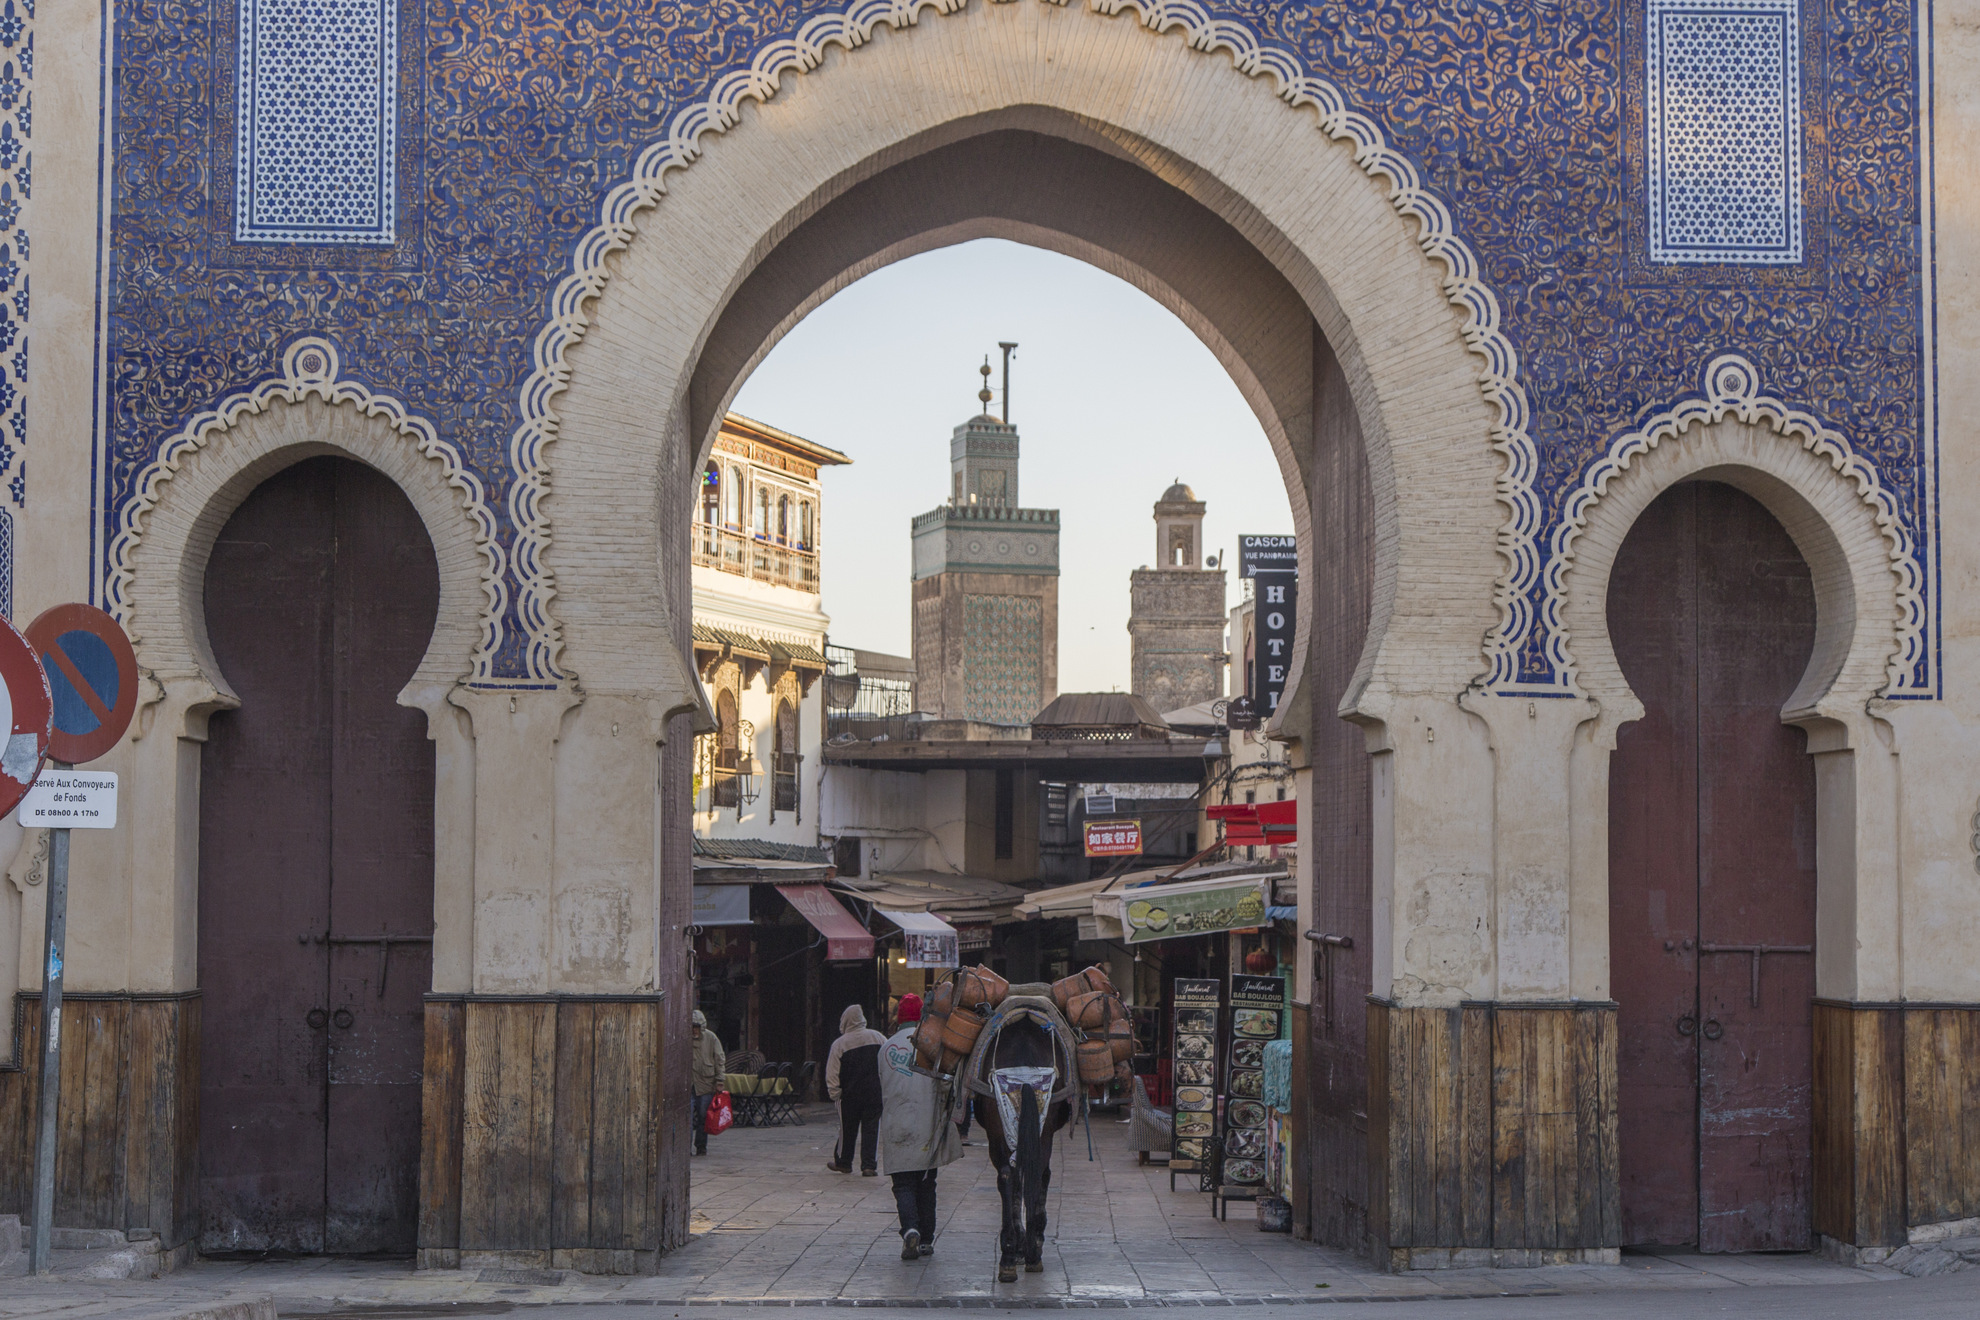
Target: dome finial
{"points": [[984, 393]]}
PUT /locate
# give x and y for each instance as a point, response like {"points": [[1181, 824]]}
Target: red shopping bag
{"points": [[721, 1114]]}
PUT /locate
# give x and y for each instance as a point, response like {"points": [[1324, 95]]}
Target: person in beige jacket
{"points": [[916, 1135], [710, 1062]]}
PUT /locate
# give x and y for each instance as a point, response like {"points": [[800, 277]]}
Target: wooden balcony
{"points": [[747, 555]]}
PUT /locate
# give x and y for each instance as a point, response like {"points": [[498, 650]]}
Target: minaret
{"points": [[986, 582], [1176, 611]]}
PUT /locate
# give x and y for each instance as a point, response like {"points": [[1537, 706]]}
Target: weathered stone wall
{"points": [[1176, 618]]}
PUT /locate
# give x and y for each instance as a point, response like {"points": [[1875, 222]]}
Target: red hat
{"points": [[909, 1009]]}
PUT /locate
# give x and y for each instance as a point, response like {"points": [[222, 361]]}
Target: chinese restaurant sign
{"points": [[1113, 838]]}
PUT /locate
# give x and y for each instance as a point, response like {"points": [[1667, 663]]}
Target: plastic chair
{"points": [[782, 1106]]}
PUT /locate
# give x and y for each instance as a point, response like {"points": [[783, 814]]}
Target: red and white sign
{"points": [[1113, 838], [27, 712], [92, 675]]}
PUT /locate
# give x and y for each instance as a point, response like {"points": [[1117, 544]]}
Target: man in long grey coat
{"points": [[916, 1136]]}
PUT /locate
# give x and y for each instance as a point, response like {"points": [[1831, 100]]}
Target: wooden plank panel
{"points": [[529, 1078], [147, 1135], [1405, 1125], [480, 1123], [1929, 1130], [1437, 1192], [1834, 1110], [17, 1103], [1475, 1155], [441, 1098], [1550, 1154], [1379, 1088], [1967, 1085], [1941, 1119], [652, 1231], [618, 1159], [188, 1017], [1879, 1083], [576, 1131], [1512, 1053], [1608, 1121], [104, 1093], [75, 1168]]}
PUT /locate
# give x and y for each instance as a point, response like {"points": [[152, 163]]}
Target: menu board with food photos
{"points": [[1198, 1002], [1256, 1002]]}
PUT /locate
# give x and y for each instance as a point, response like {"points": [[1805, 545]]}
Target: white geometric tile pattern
{"points": [[1724, 111], [316, 158]]}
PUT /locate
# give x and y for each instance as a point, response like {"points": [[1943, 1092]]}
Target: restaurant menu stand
{"points": [[1193, 1064], [1256, 1005]]}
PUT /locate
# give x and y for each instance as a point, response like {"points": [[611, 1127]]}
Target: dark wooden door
{"points": [[316, 868], [1712, 855]]}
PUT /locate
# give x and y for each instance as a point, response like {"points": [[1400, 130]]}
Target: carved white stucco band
{"points": [[1731, 388], [310, 369], [570, 308]]}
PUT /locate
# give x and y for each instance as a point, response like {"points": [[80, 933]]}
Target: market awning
{"points": [[931, 941], [845, 939], [757, 871], [917, 923], [758, 862], [1074, 900], [958, 898]]}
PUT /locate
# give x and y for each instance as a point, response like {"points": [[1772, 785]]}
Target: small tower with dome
{"points": [[1176, 611]]}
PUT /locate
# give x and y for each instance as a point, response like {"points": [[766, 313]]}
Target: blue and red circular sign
{"points": [[92, 678], [27, 714]]}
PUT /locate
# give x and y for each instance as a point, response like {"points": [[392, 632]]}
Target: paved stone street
{"points": [[773, 1226]]}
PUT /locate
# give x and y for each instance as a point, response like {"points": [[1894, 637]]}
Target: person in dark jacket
{"points": [[852, 1077]]}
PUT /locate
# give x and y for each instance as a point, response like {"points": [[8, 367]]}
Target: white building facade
{"points": [[759, 635]]}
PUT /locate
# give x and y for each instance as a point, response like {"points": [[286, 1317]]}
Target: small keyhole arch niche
{"points": [[1734, 604]]}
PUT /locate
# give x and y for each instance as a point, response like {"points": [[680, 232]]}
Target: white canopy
{"points": [[931, 941], [917, 923]]}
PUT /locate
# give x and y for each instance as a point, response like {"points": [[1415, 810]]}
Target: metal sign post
{"points": [[93, 695], [51, 1051], [62, 797]]}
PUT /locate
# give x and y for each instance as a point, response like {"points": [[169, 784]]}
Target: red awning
{"points": [[845, 939], [1257, 822]]}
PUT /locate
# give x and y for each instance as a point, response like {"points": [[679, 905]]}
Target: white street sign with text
{"points": [[72, 799]]}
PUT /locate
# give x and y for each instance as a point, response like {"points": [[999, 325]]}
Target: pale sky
{"points": [[1113, 399]]}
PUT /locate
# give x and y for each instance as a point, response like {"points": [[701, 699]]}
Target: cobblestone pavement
{"points": [[772, 1226]]}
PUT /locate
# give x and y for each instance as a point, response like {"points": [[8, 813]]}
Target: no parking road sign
{"points": [[26, 713], [92, 675]]}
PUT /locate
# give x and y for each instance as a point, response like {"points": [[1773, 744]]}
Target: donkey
{"points": [[1020, 1120]]}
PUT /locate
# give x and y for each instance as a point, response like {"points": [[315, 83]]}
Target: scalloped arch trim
{"points": [[854, 27], [1730, 387], [311, 369]]}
